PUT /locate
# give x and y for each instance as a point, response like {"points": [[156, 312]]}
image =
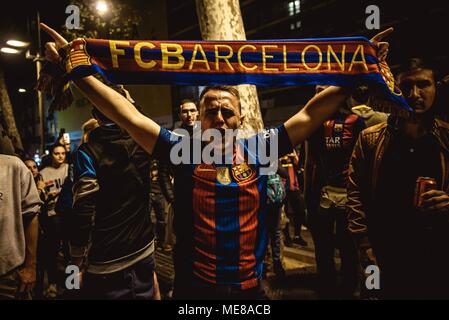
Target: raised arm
{"points": [[116, 107], [111, 103], [322, 106]]}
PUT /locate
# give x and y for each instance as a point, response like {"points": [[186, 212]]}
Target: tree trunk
{"points": [[8, 115], [6, 146], [222, 20]]}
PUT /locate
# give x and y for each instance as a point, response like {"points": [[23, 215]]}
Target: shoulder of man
{"points": [[442, 131], [83, 162], [277, 134], [443, 125], [371, 135], [87, 149], [12, 161], [9, 160]]}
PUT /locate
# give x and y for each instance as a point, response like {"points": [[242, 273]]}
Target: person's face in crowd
{"points": [[419, 89], [220, 110], [32, 166], [58, 156], [188, 113], [65, 143]]}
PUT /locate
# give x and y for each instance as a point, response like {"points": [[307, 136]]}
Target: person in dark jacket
{"points": [[406, 242], [111, 223]]}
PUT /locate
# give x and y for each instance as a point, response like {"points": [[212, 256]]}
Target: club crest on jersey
{"points": [[223, 175], [338, 127], [242, 172]]}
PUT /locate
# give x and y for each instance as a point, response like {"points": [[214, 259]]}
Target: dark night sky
{"points": [[17, 21]]}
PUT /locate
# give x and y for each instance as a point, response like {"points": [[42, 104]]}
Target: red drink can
{"points": [[423, 184]]}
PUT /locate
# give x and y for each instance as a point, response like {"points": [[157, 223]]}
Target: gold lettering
{"points": [[115, 52], [265, 56], [304, 60], [225, 58], [137, 55], [172, 50], [194, 59], [239, 57], [341, 62], [363, 61], [286, 68]]}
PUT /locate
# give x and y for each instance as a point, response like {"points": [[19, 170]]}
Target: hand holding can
{"points": [[423, 184]]}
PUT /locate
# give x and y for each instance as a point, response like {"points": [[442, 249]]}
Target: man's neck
{"points": [[188, 128], [56, 165], [416, 126]]}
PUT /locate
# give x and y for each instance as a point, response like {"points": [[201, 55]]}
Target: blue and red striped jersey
{"points": [[220, 210]]}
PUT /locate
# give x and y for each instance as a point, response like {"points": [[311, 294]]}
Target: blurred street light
{"points": [[9, 50], [22, 90], [17, 43], [102, 7]]}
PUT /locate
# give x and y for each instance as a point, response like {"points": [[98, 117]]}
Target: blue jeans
{"points": [[135, 282]]}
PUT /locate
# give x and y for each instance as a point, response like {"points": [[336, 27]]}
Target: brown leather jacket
{"points": [[364, 172]]}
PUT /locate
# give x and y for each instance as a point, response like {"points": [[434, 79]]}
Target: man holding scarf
{"points": [[219, 209]]}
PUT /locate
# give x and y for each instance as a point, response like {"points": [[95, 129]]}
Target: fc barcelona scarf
{"points": [[337, 61]]}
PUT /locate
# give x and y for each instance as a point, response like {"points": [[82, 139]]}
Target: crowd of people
{"points": [[345, 170]]}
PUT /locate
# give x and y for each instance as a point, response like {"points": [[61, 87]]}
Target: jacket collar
{"points": [[394, 125]]}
